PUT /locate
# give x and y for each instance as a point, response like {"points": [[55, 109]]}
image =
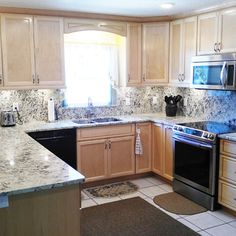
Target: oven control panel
{"points": [[194, 132]]}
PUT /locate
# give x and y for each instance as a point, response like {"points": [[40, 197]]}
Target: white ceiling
{"points": [[118, 7]]}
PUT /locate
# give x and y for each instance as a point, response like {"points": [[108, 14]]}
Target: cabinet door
{"points": [[134, 54], [157, 151], [17, 50], [143, 162], [155, 53], [167, 153], [49, 45], [121, 159], [176, 55], [1, 69], [228, 30], [92, 159], [189, 47], [207, 33]]}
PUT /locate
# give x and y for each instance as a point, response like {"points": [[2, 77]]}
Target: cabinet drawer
{"points": [[228, 168], [227, 195], [105, 131], [228, 147]]}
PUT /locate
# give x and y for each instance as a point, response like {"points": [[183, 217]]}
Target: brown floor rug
{"points": [[130, 217], [175, 203]]}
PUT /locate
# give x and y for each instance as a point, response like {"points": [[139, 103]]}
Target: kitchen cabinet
{"points": [[183, 46], [149, 41], [227, 174], [32, 49], [216, 32], [143, 162], [162, 153], [106, 152]]}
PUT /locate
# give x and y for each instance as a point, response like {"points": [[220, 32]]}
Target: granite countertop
{"points": [[26, 166], [230, 136]]}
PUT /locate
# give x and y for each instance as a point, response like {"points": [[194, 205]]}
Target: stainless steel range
{"points": [[196, 160]]}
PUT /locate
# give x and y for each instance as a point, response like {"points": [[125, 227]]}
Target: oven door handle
{"points": [[197, 144]]}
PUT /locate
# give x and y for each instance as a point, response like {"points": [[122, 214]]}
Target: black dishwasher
{"points": [[60, 142]]}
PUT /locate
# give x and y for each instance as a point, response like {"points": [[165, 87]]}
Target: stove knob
{"points": [[205, 135], [180, 128]]}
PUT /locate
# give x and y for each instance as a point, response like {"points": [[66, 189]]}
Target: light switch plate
{"points": [[154, 100], [127, 101]]}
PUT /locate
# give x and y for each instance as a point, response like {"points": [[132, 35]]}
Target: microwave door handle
{"points": [[224, 74]]}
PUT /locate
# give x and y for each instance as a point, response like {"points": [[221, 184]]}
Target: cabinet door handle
{"points": [[1, 79], [183, 77], [38, 79], [219, 47], [105, 145], [179, 79], [143, 78], [109, 144], [215, 47], [128, 77], [33, 78]]}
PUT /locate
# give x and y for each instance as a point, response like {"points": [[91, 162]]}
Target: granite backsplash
{"points": [[212, 105]]}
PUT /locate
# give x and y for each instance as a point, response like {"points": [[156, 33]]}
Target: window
{"points": [[92, 66]]}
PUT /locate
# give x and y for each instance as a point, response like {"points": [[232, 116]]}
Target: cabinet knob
{"points": [[179, 77], [0, 79], [105, 145], [183, 77], [219, 47]]}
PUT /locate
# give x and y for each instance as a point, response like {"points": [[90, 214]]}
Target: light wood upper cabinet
{"points": [[134, 54], [183, 43], [49, 54], [143, 162], [155, 53], [162, 153], [17, 50], [32, 49], [216, 32], [147, 54]]}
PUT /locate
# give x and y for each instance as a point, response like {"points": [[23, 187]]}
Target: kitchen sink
{"points": [[106, 119], [96, 120], [82, 121]]}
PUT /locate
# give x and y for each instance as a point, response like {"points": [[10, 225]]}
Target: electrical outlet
{"points": [[15, 106], [127, 101], [185, 103], [154, 100]]}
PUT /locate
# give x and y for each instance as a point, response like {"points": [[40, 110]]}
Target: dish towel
{"points": [[138, 144]]}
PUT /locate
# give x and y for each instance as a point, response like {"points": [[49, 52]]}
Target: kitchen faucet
{"points": [[90, 108]]}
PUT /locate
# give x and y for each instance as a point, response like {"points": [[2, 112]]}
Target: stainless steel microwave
{"points": [[214, 72]]}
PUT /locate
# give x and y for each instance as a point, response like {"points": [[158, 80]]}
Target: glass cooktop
{"points": [[211, 126]]}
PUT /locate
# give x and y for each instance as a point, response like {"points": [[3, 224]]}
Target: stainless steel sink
{"points": [[106, 119], [96, 120], [83, 121]]}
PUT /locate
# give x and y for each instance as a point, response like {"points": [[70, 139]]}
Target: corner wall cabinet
{"points": [[216, 32], [32, 49], [162, 154], [143, 162], [183, 46], [106, 152], [227, 174], [147, 53]]}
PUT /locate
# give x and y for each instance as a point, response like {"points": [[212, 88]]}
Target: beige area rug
{"points": [[113, 190], [176, 203]]}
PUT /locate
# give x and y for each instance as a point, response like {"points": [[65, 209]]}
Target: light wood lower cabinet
{"points": [[143, 162], [162, 154], [227, 174], [111, 155]]}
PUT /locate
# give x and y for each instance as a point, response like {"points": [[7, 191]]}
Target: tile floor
{"points": [[217, 223]]}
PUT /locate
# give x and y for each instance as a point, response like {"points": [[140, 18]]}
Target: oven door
{"points": [[195, 163]]}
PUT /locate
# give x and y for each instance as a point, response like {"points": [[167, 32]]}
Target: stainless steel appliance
{"points": [[7, 118], [214, 72], [196, 160]]}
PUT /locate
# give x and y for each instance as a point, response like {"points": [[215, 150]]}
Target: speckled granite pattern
{"points": [[26, 166], [230, 136], [204, 104]]}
